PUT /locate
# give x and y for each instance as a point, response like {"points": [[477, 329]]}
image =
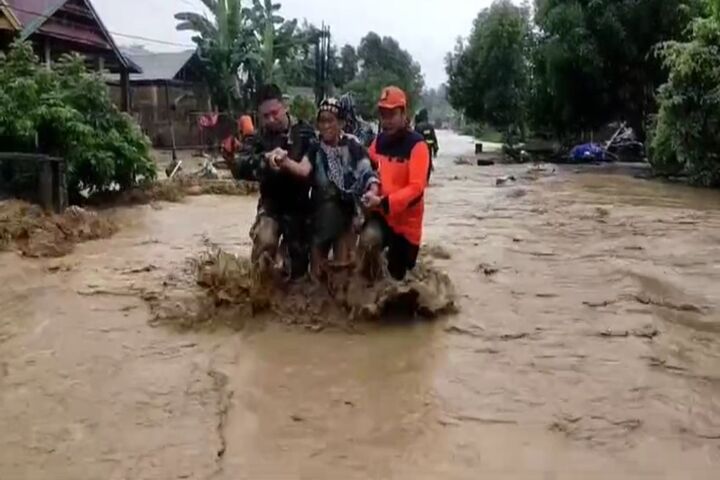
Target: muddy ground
{"points": [[587, 345]]}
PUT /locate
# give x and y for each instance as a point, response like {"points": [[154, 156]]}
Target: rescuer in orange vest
{"points": [[395, 221]]}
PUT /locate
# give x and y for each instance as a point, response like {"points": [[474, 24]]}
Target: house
{"points": [[56, 27], [169, 96]]}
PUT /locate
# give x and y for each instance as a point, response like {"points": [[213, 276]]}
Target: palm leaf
{"points": [[195, 22]]}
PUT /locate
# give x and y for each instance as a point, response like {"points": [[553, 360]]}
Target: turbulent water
{"points": [[587, 345]]}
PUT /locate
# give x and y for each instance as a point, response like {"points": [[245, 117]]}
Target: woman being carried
{"points": [[341, 174]]}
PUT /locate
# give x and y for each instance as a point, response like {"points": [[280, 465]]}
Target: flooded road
{"points": [[587, 345]]}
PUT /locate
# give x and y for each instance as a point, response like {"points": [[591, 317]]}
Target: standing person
{"points": [[426, 129], [284, 205], [232, 144], [403, 161], [354, 124], [341, 174]]}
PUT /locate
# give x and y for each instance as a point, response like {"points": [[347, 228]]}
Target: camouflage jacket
{"points": [[280, 192]]}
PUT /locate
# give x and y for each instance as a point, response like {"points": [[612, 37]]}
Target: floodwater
{"points": [[587, 345]]}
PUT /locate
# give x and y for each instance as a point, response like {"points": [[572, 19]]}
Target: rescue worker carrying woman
{"points": [[402, 158], [341, 174]]}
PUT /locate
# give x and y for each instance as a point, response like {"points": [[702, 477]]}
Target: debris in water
{"points": [[36, 233], [508, 337], [647, 331], [504, 180], [463, 161], [436, 251], [685, 307], [602, 304], [233, 292], [470, 331], [174, 190], [145, 269], [517, 193], [487, 270]]}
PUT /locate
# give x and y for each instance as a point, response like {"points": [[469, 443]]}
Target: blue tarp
{"points": [[588, 152]]}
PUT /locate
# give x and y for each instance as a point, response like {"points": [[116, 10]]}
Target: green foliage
{"points": [[239, 42], [304, 109], [67, 112], [348, 66], [384, 63], [489, 76], [594, 60], [686, 138], [276, 38], [298, 70], [225, 45]]}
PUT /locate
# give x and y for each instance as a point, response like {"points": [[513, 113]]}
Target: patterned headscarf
{"points": [[333, 106]]}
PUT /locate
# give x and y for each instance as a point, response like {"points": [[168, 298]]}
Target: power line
{"points": [[119, 34]]}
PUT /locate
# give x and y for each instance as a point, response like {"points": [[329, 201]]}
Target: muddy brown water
{"points": [[587, 346]]}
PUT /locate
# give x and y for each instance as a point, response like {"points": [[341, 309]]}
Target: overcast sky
{"points": [[426, 28]]}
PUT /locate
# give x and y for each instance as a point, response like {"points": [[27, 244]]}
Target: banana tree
{"points": [[276, 37], [226, 44]]}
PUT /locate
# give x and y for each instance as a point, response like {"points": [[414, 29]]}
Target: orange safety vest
{"points": [[245, 126], [403, 165]]}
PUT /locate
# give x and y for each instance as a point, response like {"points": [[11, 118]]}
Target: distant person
{"points": [[284, 204], [233, 144], [403, 161], [427, 130], [341, 174], [354, 124], [246, 127]]}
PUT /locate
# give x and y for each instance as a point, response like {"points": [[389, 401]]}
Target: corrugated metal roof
{"points": [[29, 11], [160, 66]]}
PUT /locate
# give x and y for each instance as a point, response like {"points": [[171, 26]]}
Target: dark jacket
{"points": [[426, 129], [280, 192]]}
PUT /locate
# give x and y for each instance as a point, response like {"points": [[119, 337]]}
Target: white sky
{"points": [[426, 28]]}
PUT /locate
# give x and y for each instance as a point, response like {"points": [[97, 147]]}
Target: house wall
{"points": [[150, 109], [6, 38], [4, 23]]}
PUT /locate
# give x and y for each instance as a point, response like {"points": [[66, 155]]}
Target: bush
{"points": [[686, 137], [67, 112]]}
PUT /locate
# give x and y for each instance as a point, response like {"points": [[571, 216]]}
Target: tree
{"points": [[686, 139], [383, 62], [225, 44], [347, 66], [276, 37], [489, 77], [594, 61], [67, 112], [298, 69]]}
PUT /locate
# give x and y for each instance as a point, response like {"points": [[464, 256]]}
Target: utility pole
{"points": [[322, 63]]}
